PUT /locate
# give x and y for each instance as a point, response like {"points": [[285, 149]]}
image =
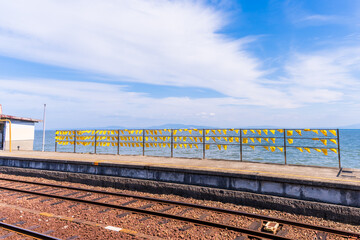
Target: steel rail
{"points": [[26, 232], [220, 210], [249, 232]]}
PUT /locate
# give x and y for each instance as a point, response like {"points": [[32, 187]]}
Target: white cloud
{"points": [[324, 76], [297, 13], [157, 42], [78, 105], [97, 104], [165, 43], [317, 18]]}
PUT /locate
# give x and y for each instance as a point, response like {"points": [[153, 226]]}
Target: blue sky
{"points": [[139, 63]]}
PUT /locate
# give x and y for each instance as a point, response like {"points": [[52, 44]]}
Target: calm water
{"points": [[349, 146]]}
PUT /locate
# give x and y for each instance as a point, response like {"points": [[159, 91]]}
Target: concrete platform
{"points": [[319, 184]]}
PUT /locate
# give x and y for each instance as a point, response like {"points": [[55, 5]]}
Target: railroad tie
{"points": [[19, 223], [70, 194], [40, 189], [84, 196], [283, 231], [34, 227], [74, 205], [11, 233], [49, 232], [129, 202], [99, 198], [13, 194], [241, 238], [31, 228], [31, 188], [187, 227], [321, 236], [105, 210], [53, 204], [142, 207], [24, 196], [112, 200], [50, 190], [7, 235], [31, 198], [125, 204], [179, 214], [59, 191], [72, 237], [256, 225], [162, 210]]}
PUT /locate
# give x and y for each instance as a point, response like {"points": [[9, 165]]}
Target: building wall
{"points": [[2, 135], [22, 144], [22, 135]]}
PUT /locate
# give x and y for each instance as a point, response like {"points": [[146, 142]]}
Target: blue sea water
{"points": [[349, 149]]}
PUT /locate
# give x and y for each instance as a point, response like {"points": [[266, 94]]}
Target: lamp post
{"points": [[43, 138]]}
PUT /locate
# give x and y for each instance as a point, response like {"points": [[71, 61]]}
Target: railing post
{"points": [[241, 147], [143, 141], [203, 136], [338, 141], [172, 142], [55, 140], [95, 141], [285, 146], [118, 142], [74, 141]]}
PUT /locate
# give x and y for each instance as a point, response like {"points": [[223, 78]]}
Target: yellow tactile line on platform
{"points": [[205, 168], [70, 219], [97, 162]]}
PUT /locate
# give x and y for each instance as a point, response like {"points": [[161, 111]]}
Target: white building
{"points": [[20, 130]]}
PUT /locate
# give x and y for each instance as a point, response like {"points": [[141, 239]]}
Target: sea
{"points": [[349, 150]]}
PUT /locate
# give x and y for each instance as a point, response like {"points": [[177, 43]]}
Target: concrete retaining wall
{"points": [[334, 193]]}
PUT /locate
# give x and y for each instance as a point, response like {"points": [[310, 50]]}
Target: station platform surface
{"points": [[294, 172]]}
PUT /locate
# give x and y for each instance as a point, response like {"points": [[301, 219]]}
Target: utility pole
{"points": [[43, 138]]}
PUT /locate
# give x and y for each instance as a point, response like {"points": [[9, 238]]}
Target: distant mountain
{"points": [[189, 126], [111, 127], [177, 126], [262, 126]]}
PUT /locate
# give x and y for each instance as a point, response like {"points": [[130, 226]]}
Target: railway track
{"points": [[13, 229], [253, 226]]}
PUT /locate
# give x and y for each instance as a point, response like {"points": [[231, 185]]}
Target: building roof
{"points": [[3, 116]]}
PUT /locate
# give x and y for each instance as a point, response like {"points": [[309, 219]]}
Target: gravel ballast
{"points": [[148, 227]]}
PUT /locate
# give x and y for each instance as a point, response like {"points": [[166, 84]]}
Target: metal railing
{"points": [[324, 141]]}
